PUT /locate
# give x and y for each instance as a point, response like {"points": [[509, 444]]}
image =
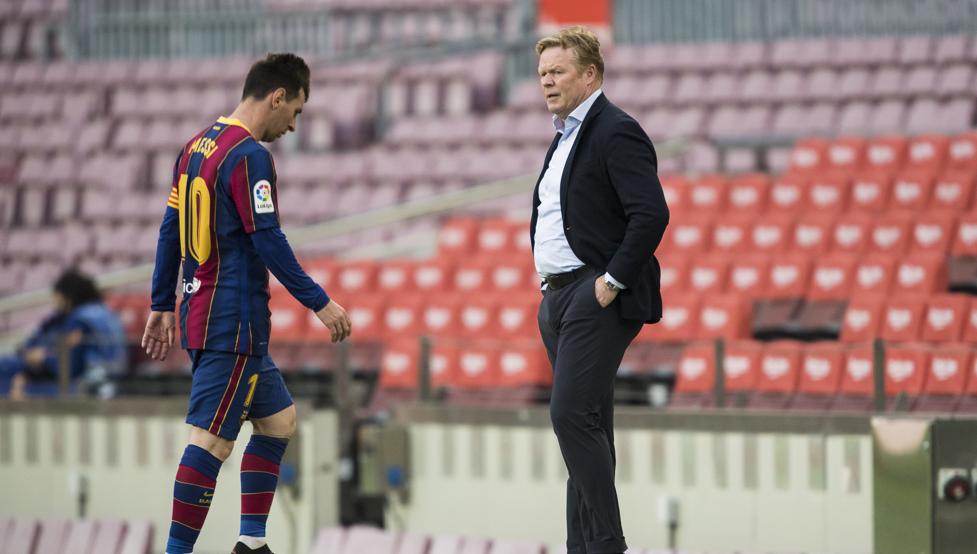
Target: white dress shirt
{"points": [[552, 252]]}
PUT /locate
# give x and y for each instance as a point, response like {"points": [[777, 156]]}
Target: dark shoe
{"points": [[241, 548]]}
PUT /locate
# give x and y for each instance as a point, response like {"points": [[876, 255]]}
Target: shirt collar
{"points": [[577, 116], [232, 121]]}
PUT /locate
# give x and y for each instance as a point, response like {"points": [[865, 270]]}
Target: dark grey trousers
{"points": [[585, 344]]}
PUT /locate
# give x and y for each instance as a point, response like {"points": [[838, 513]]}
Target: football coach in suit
{"points": [[598, 215]]}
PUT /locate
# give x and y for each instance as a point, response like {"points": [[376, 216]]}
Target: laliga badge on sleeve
{"points": [[262, 198]]}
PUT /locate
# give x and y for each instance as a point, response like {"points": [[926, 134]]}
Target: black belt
{"points": [[560, 280]]}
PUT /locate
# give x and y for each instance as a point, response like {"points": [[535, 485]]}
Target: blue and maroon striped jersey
{"points": [[224, 190]]}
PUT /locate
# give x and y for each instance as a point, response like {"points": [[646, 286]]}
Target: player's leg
{"points": [[272, 413], [218, 395]]}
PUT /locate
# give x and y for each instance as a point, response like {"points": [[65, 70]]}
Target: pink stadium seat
{"points": [[444, 544], [108, 536], [51, 538], [138, 538], [887, 117], [411, 543], [854, 117], [951, 48], [955, 80], [22, 535], [890, 82], [369, 539], [915, 49], [516, 547]]}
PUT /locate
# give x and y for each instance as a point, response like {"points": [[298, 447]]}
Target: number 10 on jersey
{"points": [[194, 218]]}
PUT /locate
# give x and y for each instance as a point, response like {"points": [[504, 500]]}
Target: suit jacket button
{"points": [[567, 228]]}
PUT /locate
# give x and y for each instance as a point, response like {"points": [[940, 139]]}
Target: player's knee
{"points": [[283, 424], [218, 447]]}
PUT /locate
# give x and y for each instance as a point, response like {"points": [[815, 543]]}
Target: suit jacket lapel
{"points": [[595, 110]]}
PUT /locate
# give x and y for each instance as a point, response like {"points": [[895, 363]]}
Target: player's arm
{"points": [[160, 330], [252, 188]]}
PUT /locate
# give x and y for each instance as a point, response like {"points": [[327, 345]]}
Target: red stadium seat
{"points": [[323, 271], [874, 275], [440, 315], [772, 233], [366, 314], [963, 152], [517, 315], [478, 317], [749, 193], [809, 155], [433, 275], [891, 233], [708, 274], [726, 316], [912, 189], [905, 373], [741, 366], [457, 237], [690, 235], [789, 275], [902, 319], [832, 277], [886, 153], [495, 236], [478, 368], [678, 323], [863, 319], [946, 378], [444, 363], [749, 275], [731, 234], [852, 233], [676, 190], [954, 190], [821, 371], [870, 191], [358, 277], [514, 275], [524, 364], [970, 324], [965, 238], [289, 318], [398, 368], [396, 276], [928, 152], [921, 274], [813, 233], [695, 378], [787, 193], [402, 316], [945, 318], [674, 272], [933, 232], [707, 194], [472, 274], [777, 380], [847, 154], [828, 193], [857, 380]]}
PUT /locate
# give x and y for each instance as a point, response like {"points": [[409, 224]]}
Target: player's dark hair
{"points": [[286, 71], [77, 288]]}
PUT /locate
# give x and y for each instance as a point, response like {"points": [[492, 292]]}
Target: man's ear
{"points": [[278, 97]]}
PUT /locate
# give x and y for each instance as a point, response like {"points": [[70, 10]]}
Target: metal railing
{"points": [[640, 21]]}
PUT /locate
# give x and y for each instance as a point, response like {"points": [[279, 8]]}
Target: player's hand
{"points": [[335, 318], [604, 295], [159, 335]]}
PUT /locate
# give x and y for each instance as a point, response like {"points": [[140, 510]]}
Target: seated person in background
{"points": [[83, 324]]}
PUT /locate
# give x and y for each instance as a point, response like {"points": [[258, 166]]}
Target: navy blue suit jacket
{"points": [[614, 211]]}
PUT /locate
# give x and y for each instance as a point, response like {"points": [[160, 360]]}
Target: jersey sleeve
{"points": [[252, 188], [167, 268]]}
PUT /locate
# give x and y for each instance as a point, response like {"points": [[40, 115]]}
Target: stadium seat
{"points": [[501, 546], [954, 190], [809, 155], [398, 369], [458, 237], [108, 535], [329, 540], [821, 371], [726, 316], [787, 193], [82, 535], [963, 152], [472, 275], [947, 374], [857, 389], [517, 315], [891, 233], [357, 277], [674, 272], [679, 321], [871, 190], [731, 233], [887, 153], [51, 537], [965, 239], [874, 275], [912, 189], [813, 233], [933, 232], [676, 191], [395, 276], [748, 193], [433, 275], [366, 313], [902, 319], [361, 538], [695, 378], [827, 193], [863, 319], [789, 276], [402, 316], [846, 154], [412, 543], [289, 318], [741, 366], [778, 375], [707, 194], [708, 274], [927, 152], [852, 233], [946, 315], [773, 232], [690, 235], [921, 274], [906, 366], [749, 275]]}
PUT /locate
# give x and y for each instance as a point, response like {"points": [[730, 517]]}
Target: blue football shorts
{"points": [[229, 388]]}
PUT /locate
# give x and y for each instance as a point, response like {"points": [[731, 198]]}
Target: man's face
{"points": [[564, 86], [282, 119]]}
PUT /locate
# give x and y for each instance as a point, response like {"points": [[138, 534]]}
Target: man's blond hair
{"points": [[584, 44]]}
